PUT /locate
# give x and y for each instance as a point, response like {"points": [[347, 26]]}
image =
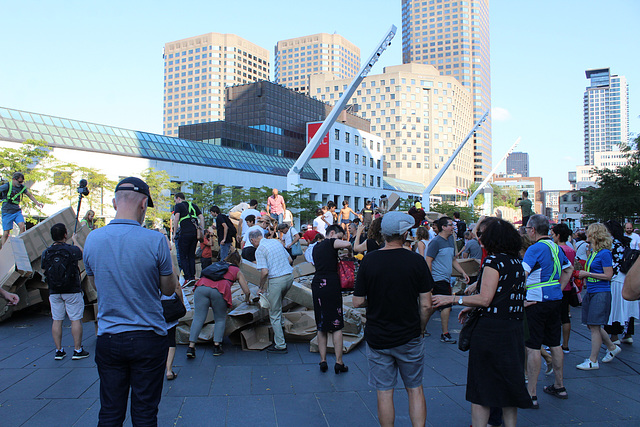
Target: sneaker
{"points": [[549, 368], [446, 338], [588, 365], [627, 340], [217, 350], [60, 354], [616, 342], [77, 355], [566, 350], [191, 352], [273, 349], [611, 354]]}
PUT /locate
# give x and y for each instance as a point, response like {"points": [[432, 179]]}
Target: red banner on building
{"points": [[323, 149]]}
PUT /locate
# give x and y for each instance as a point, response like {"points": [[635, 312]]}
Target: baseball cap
{"points": [[396, 223], [139, 186]]}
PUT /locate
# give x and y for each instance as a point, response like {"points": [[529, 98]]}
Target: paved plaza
{"points": [[260, 389]]}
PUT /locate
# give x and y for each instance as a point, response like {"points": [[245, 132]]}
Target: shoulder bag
{"points": [[464, 339], [173, 309], [347, 274], [296, 248]]}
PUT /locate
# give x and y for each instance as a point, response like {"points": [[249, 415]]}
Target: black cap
{"points": [[139, 186]]}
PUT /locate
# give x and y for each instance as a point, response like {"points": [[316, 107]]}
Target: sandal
{"points": [[552, 390], [172, 376], [534, 402]]}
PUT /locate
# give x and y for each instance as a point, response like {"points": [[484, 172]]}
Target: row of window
{"points": [[356, 140], [358, 179], [356, 159]]}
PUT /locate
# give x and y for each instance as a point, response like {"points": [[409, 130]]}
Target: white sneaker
{"points": [[627, 340], [616, 342], [611, 354], [549, 368], [588, 365]]}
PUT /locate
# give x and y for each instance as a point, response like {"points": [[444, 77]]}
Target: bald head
{"points": [[130, 204]]}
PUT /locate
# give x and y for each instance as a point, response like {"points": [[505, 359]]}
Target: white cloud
{"points": [[500, 114]]}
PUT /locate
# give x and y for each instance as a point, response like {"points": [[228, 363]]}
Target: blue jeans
{"points": [[224, 250], [131, 361], [187, 251], [277, 217]]}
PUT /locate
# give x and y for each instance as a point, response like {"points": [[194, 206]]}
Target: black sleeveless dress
{"points": [[325, 287]]}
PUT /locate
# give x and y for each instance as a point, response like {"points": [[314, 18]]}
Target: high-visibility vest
{"points": [[16, 197], [588, 266], [556, 268], [192, 213]]}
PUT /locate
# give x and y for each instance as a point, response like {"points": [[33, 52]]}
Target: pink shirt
{"points": [[275, 204], [571, 255]]}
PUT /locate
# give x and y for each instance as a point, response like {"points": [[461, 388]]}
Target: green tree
{"points": [[466, 213], [299, 203], [159, 182], [66, 178], [618, 193]]}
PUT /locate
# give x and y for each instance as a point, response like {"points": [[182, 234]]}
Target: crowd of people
{"points": [[516, 301]]}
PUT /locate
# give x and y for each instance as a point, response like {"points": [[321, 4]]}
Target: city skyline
{"points": [[114, 77]]}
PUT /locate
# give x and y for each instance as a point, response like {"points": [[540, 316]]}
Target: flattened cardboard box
{"points": [[299, 326], [256, 339], [469, 265], [349, 342], [14, 262]]}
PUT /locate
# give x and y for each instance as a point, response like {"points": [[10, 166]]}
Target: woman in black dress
{"points": [[495, 376], [327, 295]]}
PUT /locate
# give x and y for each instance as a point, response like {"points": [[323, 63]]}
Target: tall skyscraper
{"points": [[422, 117], [606, 113], [196, 71], [453, 36], [518, 163], [298, 58]]}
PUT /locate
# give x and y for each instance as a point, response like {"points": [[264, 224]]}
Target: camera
{"points": [[83, 190]]}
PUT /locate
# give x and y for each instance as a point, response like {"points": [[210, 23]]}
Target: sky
{"points": [[102, 61]]}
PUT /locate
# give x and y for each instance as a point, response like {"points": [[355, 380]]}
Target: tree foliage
{"points": [[159, 182], [618, 193], [466, 213]]}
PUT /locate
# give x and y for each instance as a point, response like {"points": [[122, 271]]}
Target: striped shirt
{"points": [[274, 257]]}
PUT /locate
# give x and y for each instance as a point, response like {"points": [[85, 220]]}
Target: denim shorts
{"points": [[596, 308], [9, 219], [384, 365]]}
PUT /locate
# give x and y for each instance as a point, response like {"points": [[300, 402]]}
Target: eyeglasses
{"points": [[20, 181]]}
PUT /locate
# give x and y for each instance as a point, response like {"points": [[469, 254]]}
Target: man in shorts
{"points": [[395, 319], [11, 194], [548, 271], [60, 266], [440, 258]]}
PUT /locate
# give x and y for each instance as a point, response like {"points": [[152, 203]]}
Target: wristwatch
{"points": [[460, 301]]}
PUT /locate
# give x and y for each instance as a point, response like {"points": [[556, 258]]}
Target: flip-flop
{"points": [[172, 377], [553, 391]]}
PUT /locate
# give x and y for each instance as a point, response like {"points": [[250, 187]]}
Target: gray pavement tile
{"points": [[169, 410], [400, 402], [231, 380], [251, 411], [432, 378], [191, 381], [90, 416], [61, 412], [93, 391], [617, 401], [32, 385], [292, 357], [9, 377], [199, 411], [442, 410], [357, 379], [72, 385], [345, 408], [270, 380], [27, 356], [301, 409], [308, 378], [16, 412]]}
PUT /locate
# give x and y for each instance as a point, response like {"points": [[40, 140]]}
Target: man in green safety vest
{"points": [[186, 221], [11, 194], [548, 271]]}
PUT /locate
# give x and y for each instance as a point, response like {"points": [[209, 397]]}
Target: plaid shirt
{"points": [[273, 256]]}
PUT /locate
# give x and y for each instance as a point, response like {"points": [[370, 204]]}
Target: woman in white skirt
{"points": [[623, 312]]}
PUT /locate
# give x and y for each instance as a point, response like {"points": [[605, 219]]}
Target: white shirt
{"points": [[245, 213], [273, 256], [245, 236], [308, 254], [635, 241], [288, 237], [320, 225], [328, 216]]}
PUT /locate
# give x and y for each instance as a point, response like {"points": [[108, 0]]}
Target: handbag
{"points": [[347, 273], [173, 309], [296, 248], [464, 339]]}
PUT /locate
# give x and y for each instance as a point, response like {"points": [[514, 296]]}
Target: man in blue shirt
{"points": [[130, 267], [548, 271]]}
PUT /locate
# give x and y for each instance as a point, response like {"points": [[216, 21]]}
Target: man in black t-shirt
{"points": [[366, 214], [225, 229], [187, 218], [397, 301]]}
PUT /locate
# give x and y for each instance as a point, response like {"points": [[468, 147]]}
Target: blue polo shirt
{"points": [[596, 263], [127, 261], [539, 263]]}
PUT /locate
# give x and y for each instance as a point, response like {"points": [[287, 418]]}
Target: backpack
{"points": [[629, 257], [216, 271], [60, 270]]}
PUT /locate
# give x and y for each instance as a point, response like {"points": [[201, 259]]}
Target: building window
{"points": [[371, 163], [364, 160], [355, 178], [371, 180], [378, 181], [337, 175], [356, 158], [325, 174], [378, 163], [346, 137], [347, 176], [364, 180], [346, 156], [337, 154], [356, 140], [337, 134]]}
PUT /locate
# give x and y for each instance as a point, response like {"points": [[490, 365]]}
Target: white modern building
{"points": [[585, 174], [606, 113]]}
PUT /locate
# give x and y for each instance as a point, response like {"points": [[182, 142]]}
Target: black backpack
{"points": [[60, 270], [216, 271], [629, 257]]}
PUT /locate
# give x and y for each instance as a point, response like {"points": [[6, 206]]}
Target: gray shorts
{"points": [[71, 304], [384, 365]]}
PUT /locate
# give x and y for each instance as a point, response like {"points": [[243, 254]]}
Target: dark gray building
{"points": [[518, 163], [266, 118]]}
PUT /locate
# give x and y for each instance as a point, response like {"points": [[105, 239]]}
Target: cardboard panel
{"points": [[469, 265], [349, 343], [299, 326], [255, 339]]}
